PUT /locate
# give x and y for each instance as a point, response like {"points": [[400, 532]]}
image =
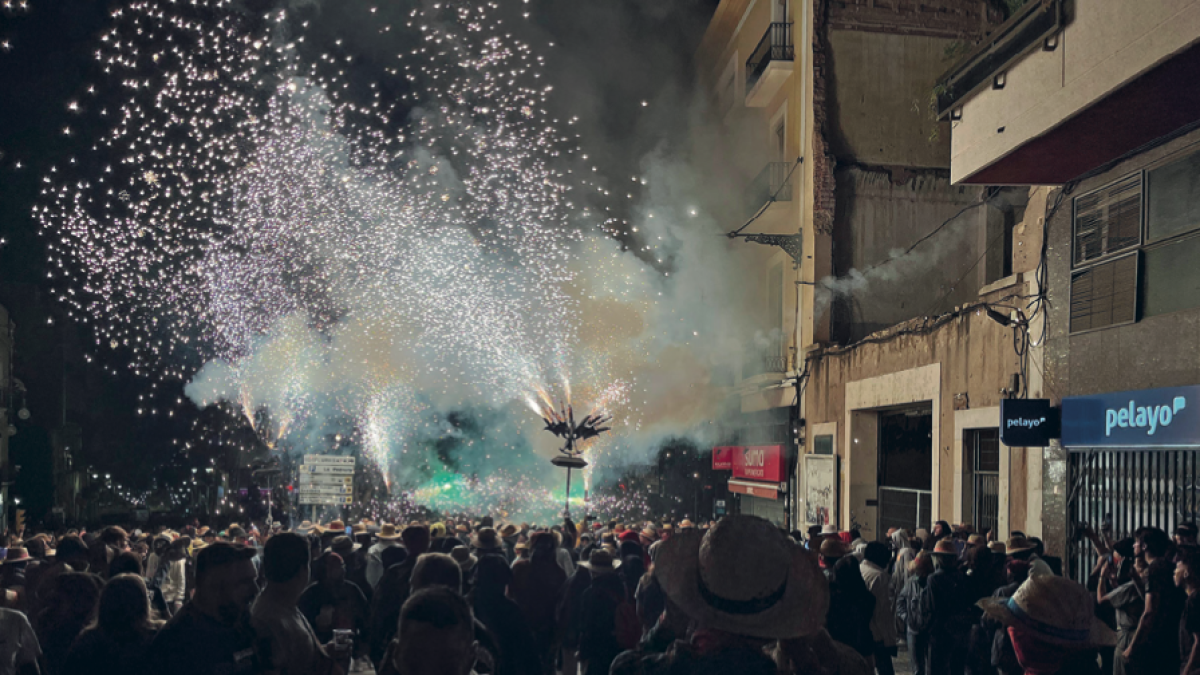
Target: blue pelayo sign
{"points": [[1128, 419]]}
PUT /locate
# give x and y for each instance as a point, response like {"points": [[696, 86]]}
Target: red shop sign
{"points": [[759, 462], [723, 457]]}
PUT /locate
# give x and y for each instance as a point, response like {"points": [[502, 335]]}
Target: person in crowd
{"points": [[355, 566], [1154, 647], [876, 557], [487, 542], [813, 538], [831, 551], [851, 607], [287, 643], [435, 636], [569, 614], [20, 650], [537, 587], [175, 582], [122, 632], [1039, 551], [950, 606], [466, 562], [439, 569], [1052, 624], [1020, 548], [156, 562], [1116, 587], [857, 544], [564, 542], [517, 652], [915, 611], [600, 605], [393, 590], [334, 603], [941, 530], [1187, 577], [212, 632], [68, 606], [1185, 534], [387, 537]]}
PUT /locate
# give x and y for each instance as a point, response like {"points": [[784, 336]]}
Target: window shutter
{"points": [[1104, 295], [1108, 220]]}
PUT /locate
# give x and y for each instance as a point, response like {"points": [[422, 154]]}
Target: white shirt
{"points": [[375, 560], [565, 562], [174, 587], [18, 644]]}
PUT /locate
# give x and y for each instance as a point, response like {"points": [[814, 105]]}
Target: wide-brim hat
{"points": [[649, 533], [337, 525], [388, 532], [744, 577], [1055, 610], [686, 524], [829, 529], [486, 539], [16, 554], [304, 527], [508, 530], [997, 547], [343, 544], [1018, 545]]}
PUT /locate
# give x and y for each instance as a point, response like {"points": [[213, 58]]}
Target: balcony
{"points": [[771, 182], [764, 360], [770, 65]]}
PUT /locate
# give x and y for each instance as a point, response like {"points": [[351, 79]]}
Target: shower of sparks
{"points": [[241, 191]]}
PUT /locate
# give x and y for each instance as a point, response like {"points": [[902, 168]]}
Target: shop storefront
{"points": [[758, 478], [1134, 460]]}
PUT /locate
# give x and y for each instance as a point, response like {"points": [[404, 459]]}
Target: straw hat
{"points": [[649, 533], [744, 577], [833, 548], [388, 532], [1054, 610], [945, 547], [997, 547], [686, 525], [305, 527], [344, 545], [462, 556], [1018, 545], [829, 528], [976, 540], [16, 554]]}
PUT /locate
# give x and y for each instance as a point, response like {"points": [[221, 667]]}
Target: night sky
{"points": [[613, 52]]}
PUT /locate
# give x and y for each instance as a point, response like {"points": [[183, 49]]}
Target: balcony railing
{"points": [[759, 361], [770, 182], [776, 45]]}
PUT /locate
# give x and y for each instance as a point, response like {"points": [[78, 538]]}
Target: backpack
{"points": [[920, 606]]}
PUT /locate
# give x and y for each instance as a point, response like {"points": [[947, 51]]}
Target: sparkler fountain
{"points": [[561, 423]]}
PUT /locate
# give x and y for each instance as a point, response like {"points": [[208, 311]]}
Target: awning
{"points": [[754, 489]]}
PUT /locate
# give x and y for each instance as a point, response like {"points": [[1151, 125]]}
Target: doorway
{"points": [[905, 476]]}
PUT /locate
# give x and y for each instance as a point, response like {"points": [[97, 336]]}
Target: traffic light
{"points": [[20, 520]]}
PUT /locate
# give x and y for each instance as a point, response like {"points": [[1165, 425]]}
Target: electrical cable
{"points": [[770, 201]]}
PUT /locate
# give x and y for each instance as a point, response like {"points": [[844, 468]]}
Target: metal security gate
{"points": [[1130, 488], [982, 464], [904, 508]]}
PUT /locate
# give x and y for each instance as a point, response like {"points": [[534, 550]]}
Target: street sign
{"points": [[328, 469], [328, 500], [325, 479]]}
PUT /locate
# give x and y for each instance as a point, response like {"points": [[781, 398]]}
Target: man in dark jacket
{"points": [[393, 590], [598, 641], [951, 612]]}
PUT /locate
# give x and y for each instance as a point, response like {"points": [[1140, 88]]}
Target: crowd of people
{"points": [[475, 596]]}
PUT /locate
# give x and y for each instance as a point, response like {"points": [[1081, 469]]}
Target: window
{"points": [[1104, 295], [981, 479], [1173, 196], [1108, 220]]}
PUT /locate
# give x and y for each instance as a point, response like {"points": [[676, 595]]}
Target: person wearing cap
{"points": [[1155, 643], [290, 644], [212, 632], [1052, 624], [387, 537], [334, 603]]}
